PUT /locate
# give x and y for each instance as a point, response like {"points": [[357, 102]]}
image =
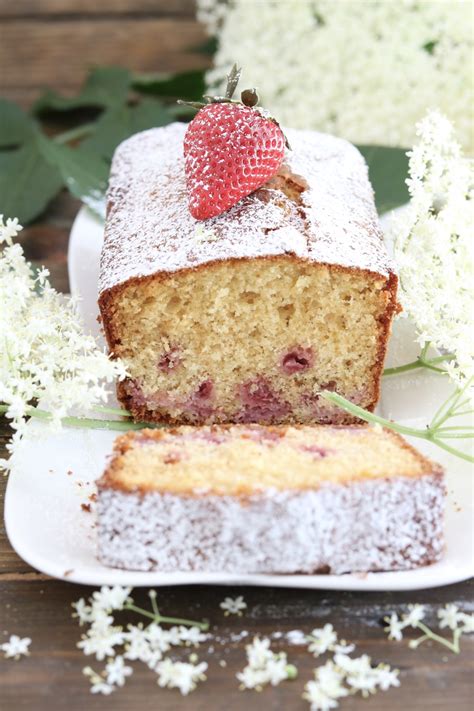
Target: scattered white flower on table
{"points": [[98, 683], [16, 646], [147, 644], [180, 675], [84, 612], [264, 666], [109, 599], [433, 244], [44, 353], [327, 687], [321, 640], [101, 641], [467, 623], [345, 675], [191, 636], [233, 606], [117, 671], [449, 617], [355, 86]]}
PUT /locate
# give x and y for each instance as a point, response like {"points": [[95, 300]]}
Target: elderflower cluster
{"points": [[343, 675], [450, 617], [367, 71], [433, 244], [147, 644], [44, 354], [264, 666]]}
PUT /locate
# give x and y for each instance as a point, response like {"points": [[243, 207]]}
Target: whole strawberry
{"points": [[230, 148]]}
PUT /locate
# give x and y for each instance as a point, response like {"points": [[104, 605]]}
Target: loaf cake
{"points": [[254, 499], [247, 316]]}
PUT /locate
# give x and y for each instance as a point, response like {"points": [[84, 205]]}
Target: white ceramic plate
{"points": [[48, 494]]}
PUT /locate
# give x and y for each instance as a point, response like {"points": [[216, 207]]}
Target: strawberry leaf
{"points": [[388, 170], [104, 87], [27, 181]]}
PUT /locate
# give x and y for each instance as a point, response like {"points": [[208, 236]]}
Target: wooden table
{"points": [[38, 607]]}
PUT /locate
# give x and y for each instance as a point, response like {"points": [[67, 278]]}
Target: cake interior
{"points": [[250, 341], [243, 459]]}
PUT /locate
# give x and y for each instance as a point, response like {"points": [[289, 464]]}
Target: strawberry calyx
{"points": [[248, 97]]}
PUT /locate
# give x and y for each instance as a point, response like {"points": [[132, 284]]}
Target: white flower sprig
{"points": [[434, 248], [264, 666], [450, 616], [44, 352], [233, 606], [343, 675], [147, 644], [16, 647], [355, 86]]}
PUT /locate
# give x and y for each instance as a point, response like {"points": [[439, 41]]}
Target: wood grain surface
{"points": [[53, 43], [51, 678]]}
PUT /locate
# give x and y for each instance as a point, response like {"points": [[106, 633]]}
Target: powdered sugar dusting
{"points": [[382, 524], [149, 227]]}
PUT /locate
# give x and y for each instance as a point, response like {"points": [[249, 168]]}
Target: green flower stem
{"points": [[204, 626], [430, 434], [84, 422], [420, 362], [453, 646], [74, 133]]}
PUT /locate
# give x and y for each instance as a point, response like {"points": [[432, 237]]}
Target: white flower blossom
{"points": [[117, 671], [433, 244], [264, 666], [101, 641], [321, 640], [415, 614], [233, 606], [327, 687], [84, 612], [98, 684], [466, 623], [367, 71], [191, 636], [44, 353], [449, 616], [180, 675], [108, 599], [394, 627], [16, 647]]}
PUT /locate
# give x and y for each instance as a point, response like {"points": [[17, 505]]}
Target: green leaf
{"points": [[27, 182], [15, 125], [104, 87], [189, 86], [84, 173], [118, 123], [388, 170]]}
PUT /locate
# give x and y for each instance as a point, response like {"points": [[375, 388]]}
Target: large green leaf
{"points": [[118, 123], [84, 173], [15, 125], [187, 85], [27, 181], [388, 171], [104, 87]]}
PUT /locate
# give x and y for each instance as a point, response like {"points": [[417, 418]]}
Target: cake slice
{"points": [[253, 499], [247, 316]]}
